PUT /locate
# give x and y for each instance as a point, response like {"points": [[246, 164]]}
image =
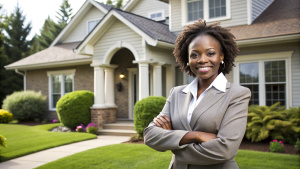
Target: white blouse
{"points": [[219, 83]]}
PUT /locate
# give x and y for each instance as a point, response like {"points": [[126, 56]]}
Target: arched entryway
{"points": [[125, 88]]}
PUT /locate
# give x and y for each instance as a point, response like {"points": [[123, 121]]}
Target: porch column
{"points": [[99, 99], [109, 86], [143, 80], [157, 80], [170, 78]]}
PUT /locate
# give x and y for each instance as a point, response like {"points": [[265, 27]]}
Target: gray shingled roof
{"points": [[107, 7], [154, 29]]}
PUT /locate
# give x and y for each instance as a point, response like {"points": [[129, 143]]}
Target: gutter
{"points": [[24, 77]]}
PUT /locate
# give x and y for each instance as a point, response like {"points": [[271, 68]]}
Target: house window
{"points": [[60, 83], [157, 15], [272, 82], [217, 8], [92, 24], [209, 10]]}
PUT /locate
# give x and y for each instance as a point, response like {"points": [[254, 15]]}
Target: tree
{"points": [[116, 3], [16, 47], [64, 13]]}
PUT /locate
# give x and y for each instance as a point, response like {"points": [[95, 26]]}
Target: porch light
{"points": [[122, 76]]}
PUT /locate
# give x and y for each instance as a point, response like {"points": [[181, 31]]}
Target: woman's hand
{"points": [[163, 121], [197, 137]]}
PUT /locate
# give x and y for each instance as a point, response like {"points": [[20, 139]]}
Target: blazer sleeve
{"points": [[229, 137], [161, 139]]}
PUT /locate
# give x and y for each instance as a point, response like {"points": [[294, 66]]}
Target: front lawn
{"points": [[139, 156], [23, 140]]}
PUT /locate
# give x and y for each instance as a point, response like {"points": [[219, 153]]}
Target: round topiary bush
{"points": [[25, 105], [5, 116], [73, 108], [145, 110]]}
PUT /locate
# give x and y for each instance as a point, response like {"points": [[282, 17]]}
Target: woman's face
{"points": [[205, 57]]}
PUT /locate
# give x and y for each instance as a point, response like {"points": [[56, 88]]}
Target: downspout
{"points": [[24, 77]]}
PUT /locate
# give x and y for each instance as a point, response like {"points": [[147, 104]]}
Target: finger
{"points": [[168, 121], [156, 123], [161, 122]]}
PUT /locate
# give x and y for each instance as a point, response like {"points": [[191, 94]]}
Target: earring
{"points": [[223, 63], [187, 64]]}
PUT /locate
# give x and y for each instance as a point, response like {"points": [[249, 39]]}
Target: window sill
{"points": [[209, 20]]}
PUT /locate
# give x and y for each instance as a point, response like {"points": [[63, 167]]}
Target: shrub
{"points": [[297, 146], [79, 129], [2, 142], [273, 122], [145, 110], [276, 146], [25, 105], [74, 108], [92, 130], [5, 116]]}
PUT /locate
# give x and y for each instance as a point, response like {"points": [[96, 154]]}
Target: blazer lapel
{"points": [[210, 98], [183, 103]]}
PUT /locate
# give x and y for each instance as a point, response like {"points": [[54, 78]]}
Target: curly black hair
{"points": [[228, 45]]}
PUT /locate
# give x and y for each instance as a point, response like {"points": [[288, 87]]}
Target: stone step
{"points": [[117, 132], [119, 126]]}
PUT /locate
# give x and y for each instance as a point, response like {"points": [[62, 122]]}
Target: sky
{"points": [[37, 11]]}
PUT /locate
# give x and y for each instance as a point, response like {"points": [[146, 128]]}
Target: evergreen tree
{"points": [[116, 3], [16, 47], [64, 13]]}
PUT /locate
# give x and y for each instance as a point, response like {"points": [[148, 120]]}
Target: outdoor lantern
{"points": [[119, 86], [122, 76]]}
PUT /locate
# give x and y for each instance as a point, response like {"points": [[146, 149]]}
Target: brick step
{"points": [[117, 132]]}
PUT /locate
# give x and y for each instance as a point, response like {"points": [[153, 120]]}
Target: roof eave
{"points": [[51, 64], [268, 40]]}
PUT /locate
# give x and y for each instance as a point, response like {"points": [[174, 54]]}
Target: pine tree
{"points": [[116, 3], [16, 47], [64, 13]]}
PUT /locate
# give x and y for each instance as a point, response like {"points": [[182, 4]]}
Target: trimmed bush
{"points": [[92, 130], [145, 110], [2, 142], [25, 105], [74, 108], [5, 116]]}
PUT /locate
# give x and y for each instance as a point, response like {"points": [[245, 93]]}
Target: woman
{"points": [[202, 123]]}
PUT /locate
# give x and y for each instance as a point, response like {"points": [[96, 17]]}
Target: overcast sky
{"points": [[37, 11]]}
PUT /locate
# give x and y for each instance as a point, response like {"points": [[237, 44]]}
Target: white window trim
{"points": [[163, 17], [87, 24], [205, 13], [58, 72], [260, 59]]}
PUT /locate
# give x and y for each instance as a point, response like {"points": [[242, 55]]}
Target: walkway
{"points": [[46, 156]]}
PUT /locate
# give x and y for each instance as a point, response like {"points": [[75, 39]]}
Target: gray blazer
{"points": [[224, 114]]}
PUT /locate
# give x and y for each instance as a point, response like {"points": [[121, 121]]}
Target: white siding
{"points": [[160, 55], [80, 31], [258, 6], [296, 77], [117, 32], [238, 14], [145, 6]]}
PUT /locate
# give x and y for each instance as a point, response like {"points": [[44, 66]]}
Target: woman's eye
{"points": [[193, 55], [211, 53]]}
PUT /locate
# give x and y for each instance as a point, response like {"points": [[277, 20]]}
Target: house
{"points": [[126, 55]]}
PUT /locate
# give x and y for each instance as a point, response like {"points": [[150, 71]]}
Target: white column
{"points": [[157, 80], [99, 99], [109, 87], [143, 80], [170, 78]]}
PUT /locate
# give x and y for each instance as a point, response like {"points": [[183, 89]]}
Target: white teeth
{"points": [[203, 68]]}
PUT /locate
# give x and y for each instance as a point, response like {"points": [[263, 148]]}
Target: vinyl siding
{"points": [[160, 55], [296, 76], [258, 6], [238, 14], [80, 31], [145, 6], [117, 32]]}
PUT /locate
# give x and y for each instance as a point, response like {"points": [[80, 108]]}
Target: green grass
{"points": [[139, 156], [22, 140]]}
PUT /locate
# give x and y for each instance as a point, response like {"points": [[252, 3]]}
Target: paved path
{"points": [[40, 158]]}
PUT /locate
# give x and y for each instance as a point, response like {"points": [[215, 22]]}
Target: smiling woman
{"points": [[202, 123]]}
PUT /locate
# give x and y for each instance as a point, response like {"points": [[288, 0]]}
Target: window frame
{"points": [[60, 73], [184, 12], [163, 16], [87, 24], [261, 59]]}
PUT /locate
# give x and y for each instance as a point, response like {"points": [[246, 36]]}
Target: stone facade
{"points": [[103, 116], [38, 80]]}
